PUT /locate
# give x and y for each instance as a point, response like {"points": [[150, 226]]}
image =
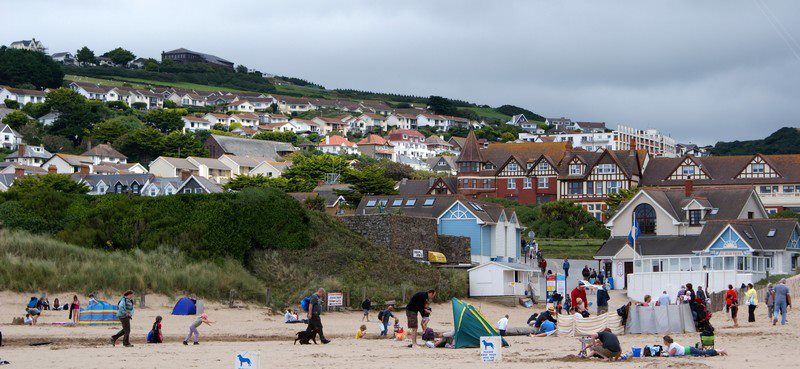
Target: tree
{"points": [[565, 219], [120, 56], [76, 114], [118, 105], [783, 141], [241, 69], [307, 170], [151, 65], [287, 136], [112, 129], [515, 110], [370, 181], [181, 145], [315, 202], [35, 110], [16, 119], [55, 143], [49, 182], [169, 104], [166, 120], [31, 132], [29, 68], [441, 105], [257, 181], [85, 56], [785, 214], [139, 105], [11, 104], [142, 145], [508, 137], [614, 200]]}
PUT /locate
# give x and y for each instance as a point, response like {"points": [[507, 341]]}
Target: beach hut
{"points": [[185, 306], [100, 313], [470, 325]]}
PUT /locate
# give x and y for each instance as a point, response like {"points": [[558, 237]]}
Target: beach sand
{"points": [[253, 328]]}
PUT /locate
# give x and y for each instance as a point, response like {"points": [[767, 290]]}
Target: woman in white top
{"points": [[674, 349]]}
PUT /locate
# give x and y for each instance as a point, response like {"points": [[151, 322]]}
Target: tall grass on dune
{"points": [[32, 263]]}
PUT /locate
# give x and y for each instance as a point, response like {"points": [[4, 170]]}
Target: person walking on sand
{"points": [[366, 305], [769, 299], [193, 329], [124, 314], [565, 266], [415, 307], [384, 318], [751, 298], [782, 302], [314, 311], [733, 297], [502, 324]]}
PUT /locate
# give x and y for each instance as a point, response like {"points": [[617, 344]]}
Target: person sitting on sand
{"points": [[155, 335], [29, 320], [92, 300], [674, 349], [606, 345], [445, 340], [548, 328], [56, 304], [290, 317], [193, 329], [546, 315], [362, 331], [580, 308]]}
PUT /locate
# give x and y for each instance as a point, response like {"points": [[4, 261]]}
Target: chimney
{"points": [[21, 149], [688, 187], [84, 169], [185, 174], [632, 142], [19, 172], [52, 169]]}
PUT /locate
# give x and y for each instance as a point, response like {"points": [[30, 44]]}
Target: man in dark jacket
{"points": [[366, 305], [417, 306], [314, 311], [545, 315], [602, 301], [565, 266]]}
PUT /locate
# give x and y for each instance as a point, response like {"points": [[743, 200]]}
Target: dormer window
{"points": [[543, 166], [606, 169], [512, 166], [694, 217], [575, 169], [687, 170], [757, 167]]}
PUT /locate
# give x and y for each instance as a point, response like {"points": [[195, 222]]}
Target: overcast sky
{"points": [[701, 71]]}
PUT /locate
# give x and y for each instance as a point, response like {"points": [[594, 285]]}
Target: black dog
{"points": [[305, 336]]}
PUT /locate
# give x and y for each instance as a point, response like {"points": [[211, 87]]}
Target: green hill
{"points": [[204, 244], [783, 141]]}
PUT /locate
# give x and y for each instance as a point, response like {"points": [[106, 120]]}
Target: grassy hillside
{"points": [[40, 263], [783, 141], [581, 249], [489, 113], [341, 260]]}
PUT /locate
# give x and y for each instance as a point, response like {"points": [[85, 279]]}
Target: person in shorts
{"points": [[415, 307], [606, 345]]}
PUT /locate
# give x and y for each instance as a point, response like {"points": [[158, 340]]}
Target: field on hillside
{"points": [[574, 249], [489, 113], [143, 83]]}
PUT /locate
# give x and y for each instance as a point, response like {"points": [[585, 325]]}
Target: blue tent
{"points": [[101, 313], [185, 306]]}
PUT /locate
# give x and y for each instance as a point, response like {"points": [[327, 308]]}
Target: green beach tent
{"points": [[470, 325]]}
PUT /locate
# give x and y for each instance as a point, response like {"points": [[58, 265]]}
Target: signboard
{"points": [[550, 285], [491, 347], [561, 285], [531, 234], [728, 253], [246, 360], [335, 299], [417, 254]]}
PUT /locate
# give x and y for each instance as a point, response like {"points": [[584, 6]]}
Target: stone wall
{"points": [[404, 234]]}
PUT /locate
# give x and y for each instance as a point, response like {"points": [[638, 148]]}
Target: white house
{"points": [[193, 124], [245, 119], [9, 138], [22, 96], [213, 169], [67, 164], [32, 45], [502, 279], [217, 118], [91, 91], [338, 145], [402, 121], [370, 122], [287, 104], [411, 143], [241, 106], [104, 153], [29, 155], [271, 169], [708, 237], [165, 166]]}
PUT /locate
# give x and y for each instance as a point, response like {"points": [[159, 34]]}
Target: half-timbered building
{"points": [[776, 178]]}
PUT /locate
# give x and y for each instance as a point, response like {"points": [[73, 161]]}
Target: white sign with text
{"points": [[491, 347], [335, 299]]}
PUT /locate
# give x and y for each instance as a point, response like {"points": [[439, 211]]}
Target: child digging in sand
{"points": [[193, 329], [361, 332], [155, 333]]}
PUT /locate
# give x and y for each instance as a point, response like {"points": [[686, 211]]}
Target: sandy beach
{"points": [[253, 328]]}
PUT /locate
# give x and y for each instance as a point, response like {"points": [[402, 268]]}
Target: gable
{"points": [[512, 168], [542, 167], [758, 168], [794, 240], [729, 243], [458, 212], [688, 169]]}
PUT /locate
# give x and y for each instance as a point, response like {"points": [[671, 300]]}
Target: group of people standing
{"points": [[777, 299]]}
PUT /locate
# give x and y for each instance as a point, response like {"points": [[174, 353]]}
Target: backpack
{"points": [[654, 350], [304, 303], [380, 316]]}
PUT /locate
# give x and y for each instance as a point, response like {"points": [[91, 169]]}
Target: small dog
{"points": [[305, 336], [243, 360], [487, 344]]}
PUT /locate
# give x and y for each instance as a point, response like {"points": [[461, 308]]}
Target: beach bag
{"points": [[304, 303], [653, 350], [150, 337]]}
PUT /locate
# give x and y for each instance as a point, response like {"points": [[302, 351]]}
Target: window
{"points": [[750, 215], [590, 188], [512, 184], [198, 190], [645, 217], [474, 183], [598, 188], [765, 189], [135, 188], [411, 202], [687, 170], [543, 166], [613, 186], [429, 201], [575, 169], [187, 190], [118, 188], [397, 202], [512, 166], [694, 217], [574, 188], [153, 191], [529, 166], [542, 182], [486, 183], [466, 183], [476, 206], [371, 203], [606, 168], [527, 183], [757, 167], [788, 189]]}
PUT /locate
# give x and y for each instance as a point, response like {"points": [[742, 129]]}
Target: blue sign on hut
{"points": [[185, 306], [100, 313]]}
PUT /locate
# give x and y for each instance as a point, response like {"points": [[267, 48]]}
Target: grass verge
{"points": [[36, 263], [582, 249]]}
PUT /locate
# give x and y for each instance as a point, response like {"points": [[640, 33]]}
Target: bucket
{"points": [[637, 352]]}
